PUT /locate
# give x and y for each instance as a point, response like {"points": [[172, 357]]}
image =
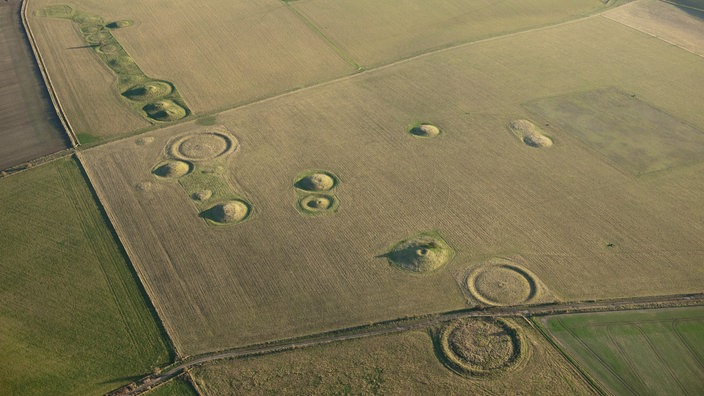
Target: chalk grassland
{"points": [[644, 352], [83, 84], [29, 127], [73, 320], [584, 227], [218, 54], [374, 33], [398, 364], [680, 26]]}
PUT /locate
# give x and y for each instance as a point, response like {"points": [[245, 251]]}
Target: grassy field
{"points": [[373, 33], [73, 320], [582, 226], [399, 364], [29, 126], [659, 352]]}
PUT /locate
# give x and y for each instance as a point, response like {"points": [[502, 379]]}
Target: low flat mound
{"points": [[203, 146], [422, 253], [425, 130], [119, 24], [165, 110], [317, 181], [480, 347], [172, 169], [502, 283], [143, 141], [108, 48], [318, 202], [230, 212], [202, 195], [530, 133], [149, 91]]}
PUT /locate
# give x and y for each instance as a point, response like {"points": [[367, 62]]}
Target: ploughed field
{"points": [[29, 127]]}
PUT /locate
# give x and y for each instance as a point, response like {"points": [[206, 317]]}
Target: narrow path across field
{"points": [[400, 325]]}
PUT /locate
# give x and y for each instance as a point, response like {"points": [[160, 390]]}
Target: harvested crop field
{"points": [[29, 127], [582, 226], [680, 23], [374, 33], [640, 352], [230, 53]]}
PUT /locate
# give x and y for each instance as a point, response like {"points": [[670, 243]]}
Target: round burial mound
{"points": [[425, 130], [423, 253], [143, 141], [230, 212], [172, 169], [203, 146], [317, 181], [317, 203], [165, 110], [530, 133], [119, 24], [502, 284], [149, 91], [99, 37], [480, 347]]}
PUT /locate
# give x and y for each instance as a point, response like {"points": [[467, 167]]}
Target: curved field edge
{"points": [[635, 352], [75, 321]]}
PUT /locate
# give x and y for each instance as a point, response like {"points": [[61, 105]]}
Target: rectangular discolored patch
{"points": [[628, 131]]}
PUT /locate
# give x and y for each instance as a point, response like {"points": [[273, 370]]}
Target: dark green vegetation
{"points": [[155, 99], [637, 353], [73, 319], [29, 127], [629, 132]]}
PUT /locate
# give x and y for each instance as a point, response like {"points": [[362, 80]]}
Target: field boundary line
{"points": [[682, 5], [47, 80], [604, 15], [163, 329], [405, 324], [555, 344], [340, 52]]}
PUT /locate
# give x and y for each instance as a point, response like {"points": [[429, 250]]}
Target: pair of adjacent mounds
{"points": [[156, 92], [529, 133], [315, 192]]}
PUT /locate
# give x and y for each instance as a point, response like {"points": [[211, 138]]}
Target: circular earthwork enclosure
{"points": [[480, 347], [502, 283], [203, 146]]}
